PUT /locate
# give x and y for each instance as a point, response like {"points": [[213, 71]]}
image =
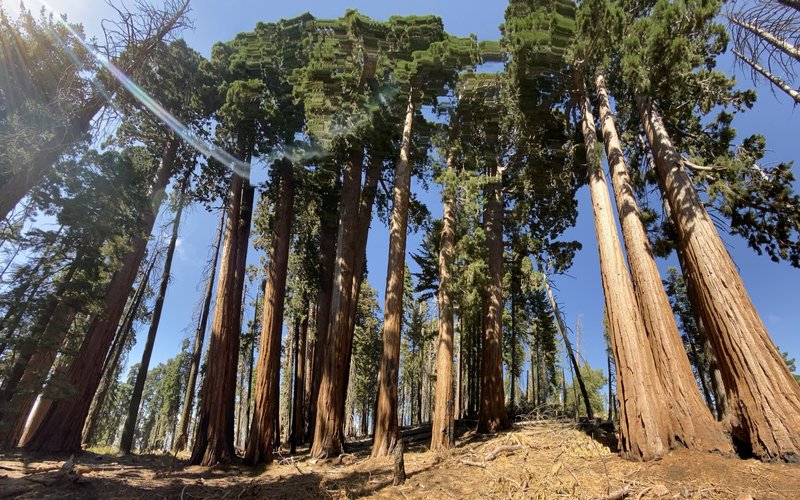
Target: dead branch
{"points": [[474, 464], [501, 449], [617, 495]]}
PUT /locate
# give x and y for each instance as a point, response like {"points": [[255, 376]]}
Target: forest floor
{"points": [[538, 459]]}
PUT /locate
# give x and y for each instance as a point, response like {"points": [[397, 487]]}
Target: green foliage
{"points": [[595, 381]]}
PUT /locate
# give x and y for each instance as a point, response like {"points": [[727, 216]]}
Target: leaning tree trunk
{"points": [[644, 423], [773, 79], [764, 397], [443, 423], [570, 353], [386, 429], [124, 332], [33, 362], [197, 349], [329, 416], [776, 42], [47, 154], [212, 443], [62, 425], [126, 442], [35, 374], [267, 383], [692, 422], [492, 415]]}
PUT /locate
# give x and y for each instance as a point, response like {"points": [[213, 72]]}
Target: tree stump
{"points": [[399, 464]]}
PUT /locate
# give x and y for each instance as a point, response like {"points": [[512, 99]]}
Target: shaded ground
{"points": [[544, 459]]}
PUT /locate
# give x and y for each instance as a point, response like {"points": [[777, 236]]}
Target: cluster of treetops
{"points": [[344, 112]]}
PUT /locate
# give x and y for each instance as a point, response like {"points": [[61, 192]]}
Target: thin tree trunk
{"points": [[570, 353], [294, 387], [112, 363], [61, 427], [492, 415], [126, 443], [299, 378], [644, 424], [386, 429], [773, 79], [197, 349], [267, 383], [242, 246], [328, 440], [692, 422], [610, 394], [764, 396], [443, 424]]}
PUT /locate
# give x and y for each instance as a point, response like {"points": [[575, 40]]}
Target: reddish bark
{"points": [[386, 429], [267, 382], [644, 423], [764, 398], [492, 415], [62, 425], [443, 423], [214, 439], [692, 422], [328, 439]]}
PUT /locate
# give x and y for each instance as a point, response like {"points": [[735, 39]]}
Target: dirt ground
{"points": [[543, 459]]}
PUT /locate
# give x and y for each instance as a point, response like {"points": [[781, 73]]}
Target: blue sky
{"points": [[772, 287]]}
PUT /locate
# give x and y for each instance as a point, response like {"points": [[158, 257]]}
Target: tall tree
{"points": [[197, 346], [136, 397], [693, 423], [645, 430], [259, 444]]}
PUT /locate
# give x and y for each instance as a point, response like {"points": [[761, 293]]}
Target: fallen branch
{"points": [[617, 495], [501, 449], [474, 464]]}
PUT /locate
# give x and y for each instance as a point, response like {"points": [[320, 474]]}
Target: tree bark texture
{"points": [[328, 439], [692, 422], [62, 425], [124, 331], [764, 397], [644, 423], [492, 415], [212, 443], [386, 428], [267, 383], [327, 264], [443, 424]]}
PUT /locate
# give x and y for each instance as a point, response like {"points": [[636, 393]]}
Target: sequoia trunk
{"points": [[764, 397], [692, 422], [443, 424], [329, 417], [267, 383], [62, 425], [492, 415], [386, 428], [644, 424]]}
